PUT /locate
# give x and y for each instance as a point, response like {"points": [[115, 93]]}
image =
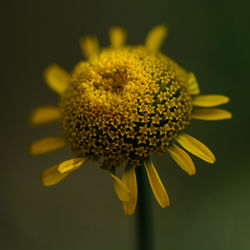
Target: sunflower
{"points": [[118, 107]]}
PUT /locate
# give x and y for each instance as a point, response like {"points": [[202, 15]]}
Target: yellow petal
{"points": [[47, 145], [195, 147], [71, 164], [89, 46], [193, 86], [182, 159], [44, 114], [156, 185], [211, 114], [156, 37], [56, 78], [210, 100], [129, 179], [51, 176], [121, 189], [117, 37]]}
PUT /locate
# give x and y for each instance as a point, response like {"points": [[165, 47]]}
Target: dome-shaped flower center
{"points": [[125, 104]]}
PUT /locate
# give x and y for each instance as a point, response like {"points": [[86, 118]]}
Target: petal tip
{"points": [[230, 116], [227, 99], [127, 211], [166, 204], [43, 178], [192, 172], [212, 159], [56, 78], [156, 37], [117, 36], [89, 46]]}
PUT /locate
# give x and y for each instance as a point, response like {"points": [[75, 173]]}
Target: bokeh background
{"points": [[209, 211]]}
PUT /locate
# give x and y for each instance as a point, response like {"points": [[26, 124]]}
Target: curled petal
{"points": [[47, 145], [44, 114], [58, 172], [71, 164], [121, 189], [89, 46], [210, 100], [156, 37], [156, 185], [51, 176], [195, 147], [182, 159], [56, 78], [117, 37], [129, 178], [211, 114]]}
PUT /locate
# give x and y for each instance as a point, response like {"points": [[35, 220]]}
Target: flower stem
{"points": [[144, 217]]}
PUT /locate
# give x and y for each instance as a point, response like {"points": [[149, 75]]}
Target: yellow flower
{"points": [[119, 106]]}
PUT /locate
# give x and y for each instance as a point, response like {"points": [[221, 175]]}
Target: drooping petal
{"points": [[210, 100], [71, 164], [156, 185], [156, 37], [56, 78], [51, 176], [47, 145], [193, 86], [211, 114], [44, 114], [182, 159], [117, 37], [121, 189], [129, 178], [89, 46], [195, 147]]}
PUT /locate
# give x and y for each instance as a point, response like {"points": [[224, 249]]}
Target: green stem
{"points": [[144, 217]]}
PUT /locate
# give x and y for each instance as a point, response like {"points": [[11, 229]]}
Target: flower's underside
{"points": [[120, 106]]}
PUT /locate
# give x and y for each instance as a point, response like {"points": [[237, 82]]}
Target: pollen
{"points": [[124, 104]]}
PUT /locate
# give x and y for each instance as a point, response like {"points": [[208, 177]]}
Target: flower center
{"points": [[124, 105]]}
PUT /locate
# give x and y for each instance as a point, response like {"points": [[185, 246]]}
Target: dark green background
{"points": [[209, 211]]}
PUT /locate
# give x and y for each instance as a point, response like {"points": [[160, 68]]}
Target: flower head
{"points": [[119, 106]]}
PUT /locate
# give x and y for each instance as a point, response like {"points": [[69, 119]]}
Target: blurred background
{"points": [[209, 211]]}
